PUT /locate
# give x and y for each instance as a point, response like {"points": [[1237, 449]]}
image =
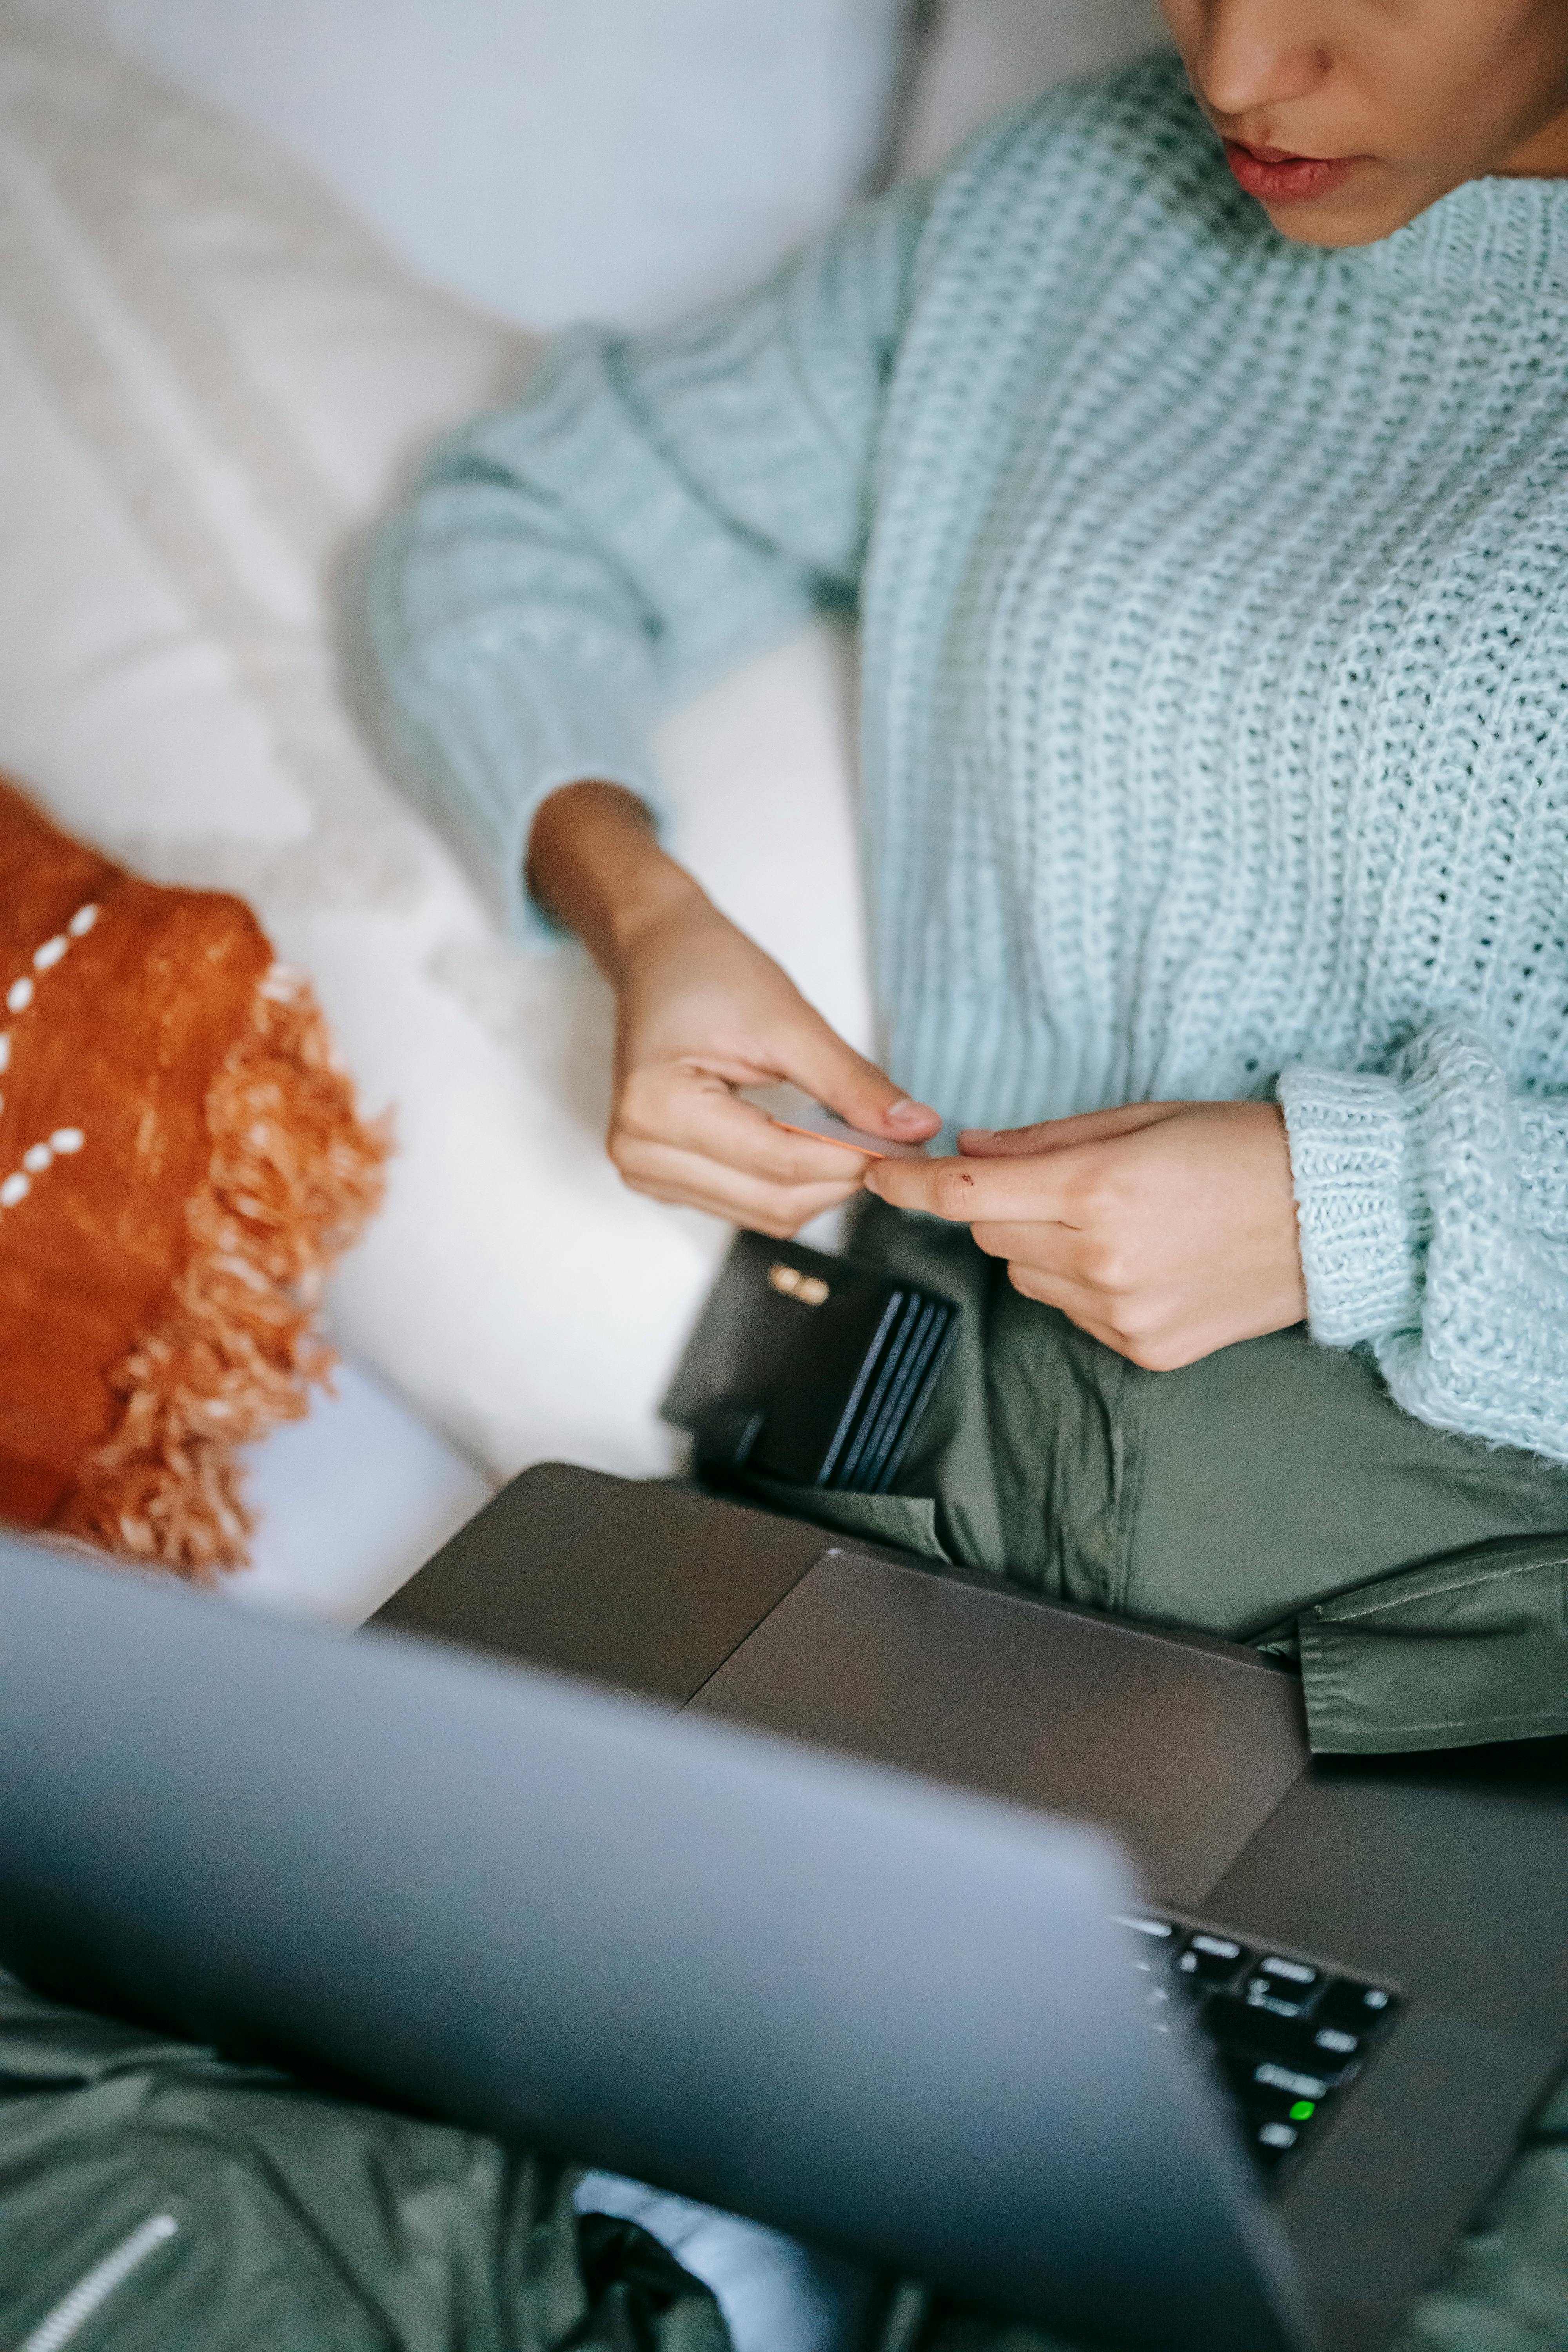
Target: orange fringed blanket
{"points": [[181, 1160]]}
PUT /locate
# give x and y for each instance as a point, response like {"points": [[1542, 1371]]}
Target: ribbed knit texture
{"points": [[1214, 600]]}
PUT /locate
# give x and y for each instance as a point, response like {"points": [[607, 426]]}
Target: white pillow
{"points": [[983, 56], [549, 158], [207, 379]]}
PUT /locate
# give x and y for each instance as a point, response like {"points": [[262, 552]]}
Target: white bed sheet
{"points": [[351, 1502]]}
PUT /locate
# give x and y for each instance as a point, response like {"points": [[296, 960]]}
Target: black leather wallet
{"points": [[810, 1369]]}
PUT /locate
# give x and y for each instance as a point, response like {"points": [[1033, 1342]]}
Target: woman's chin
{"points": [[1358, 202]]}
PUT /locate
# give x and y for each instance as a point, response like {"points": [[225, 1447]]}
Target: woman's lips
{"points": [[1277, 178]]}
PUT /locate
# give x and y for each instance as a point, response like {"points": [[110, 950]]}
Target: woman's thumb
{"points": [[843, 1081]]}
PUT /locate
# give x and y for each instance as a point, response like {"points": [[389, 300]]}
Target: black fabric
{"points": [[638, 2297]]}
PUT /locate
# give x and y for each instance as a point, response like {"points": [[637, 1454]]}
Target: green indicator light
{"points": [[1303, 2111]]}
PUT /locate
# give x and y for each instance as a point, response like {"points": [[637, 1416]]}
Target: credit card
{"points": [[790, 1106]]}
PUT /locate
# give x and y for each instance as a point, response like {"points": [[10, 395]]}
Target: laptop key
{"points": [[1348, 2007], [1274, 2125], [1208, 1963], [1273, 2140], [1158, 1934], [1272, 2088], [1276, 2107], [1156, 1941], [1287, 2084], [1284, 1987], [1258, 2035]]}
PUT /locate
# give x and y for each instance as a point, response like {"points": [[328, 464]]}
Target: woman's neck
{"points": [[1542, 157]]}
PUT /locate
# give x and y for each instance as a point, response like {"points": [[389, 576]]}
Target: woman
{"points": [[1196, 455]]}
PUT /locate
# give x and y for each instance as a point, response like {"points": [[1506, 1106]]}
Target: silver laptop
{"points": [[900, 2019]]}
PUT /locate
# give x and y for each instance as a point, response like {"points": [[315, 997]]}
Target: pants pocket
{"points": [[907, 1522], [1467, 1648]]}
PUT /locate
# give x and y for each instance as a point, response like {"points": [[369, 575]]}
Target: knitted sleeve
{"points": [[652, 510], [1434, 1217]]}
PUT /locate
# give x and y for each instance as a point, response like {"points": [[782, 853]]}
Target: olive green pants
{"points": [[1273, 1494], [156, 2199]]}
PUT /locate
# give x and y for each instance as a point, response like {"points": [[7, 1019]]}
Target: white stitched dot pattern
{"points": [[20, 996], [36, 1161]]}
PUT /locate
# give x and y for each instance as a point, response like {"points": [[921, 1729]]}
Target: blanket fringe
{"points": [[294, 1175]]}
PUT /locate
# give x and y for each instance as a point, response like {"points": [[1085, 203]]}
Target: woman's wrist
{"points": [[595, 862]]}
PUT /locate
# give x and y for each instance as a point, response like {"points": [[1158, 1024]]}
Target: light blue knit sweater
{"points": [[1214, 600]]}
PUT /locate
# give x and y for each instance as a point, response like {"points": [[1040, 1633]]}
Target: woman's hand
{"points": [[700, 1010], [1166, 1230]]}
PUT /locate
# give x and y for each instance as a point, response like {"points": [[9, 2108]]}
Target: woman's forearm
{"points": [[595, 862]]}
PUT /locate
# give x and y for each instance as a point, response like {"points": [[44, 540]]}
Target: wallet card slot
{"points": [[890, 1356], [911, 1359], [847, 1418], [934, 1360]]}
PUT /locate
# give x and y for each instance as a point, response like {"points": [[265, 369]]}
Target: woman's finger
{"points": [[707, 1118], [1061, 1134], [1053, 1249], [690, 1180], [842, 1080], [1079, 1304], [1101, 1265], [1145, 1338], [979, 1192]]}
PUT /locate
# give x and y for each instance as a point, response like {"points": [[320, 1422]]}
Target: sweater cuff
{"points": [[1363, 1222], [501, 736]]}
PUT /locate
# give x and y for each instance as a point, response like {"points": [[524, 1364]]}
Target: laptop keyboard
{"points": [[1287, 2039]]}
